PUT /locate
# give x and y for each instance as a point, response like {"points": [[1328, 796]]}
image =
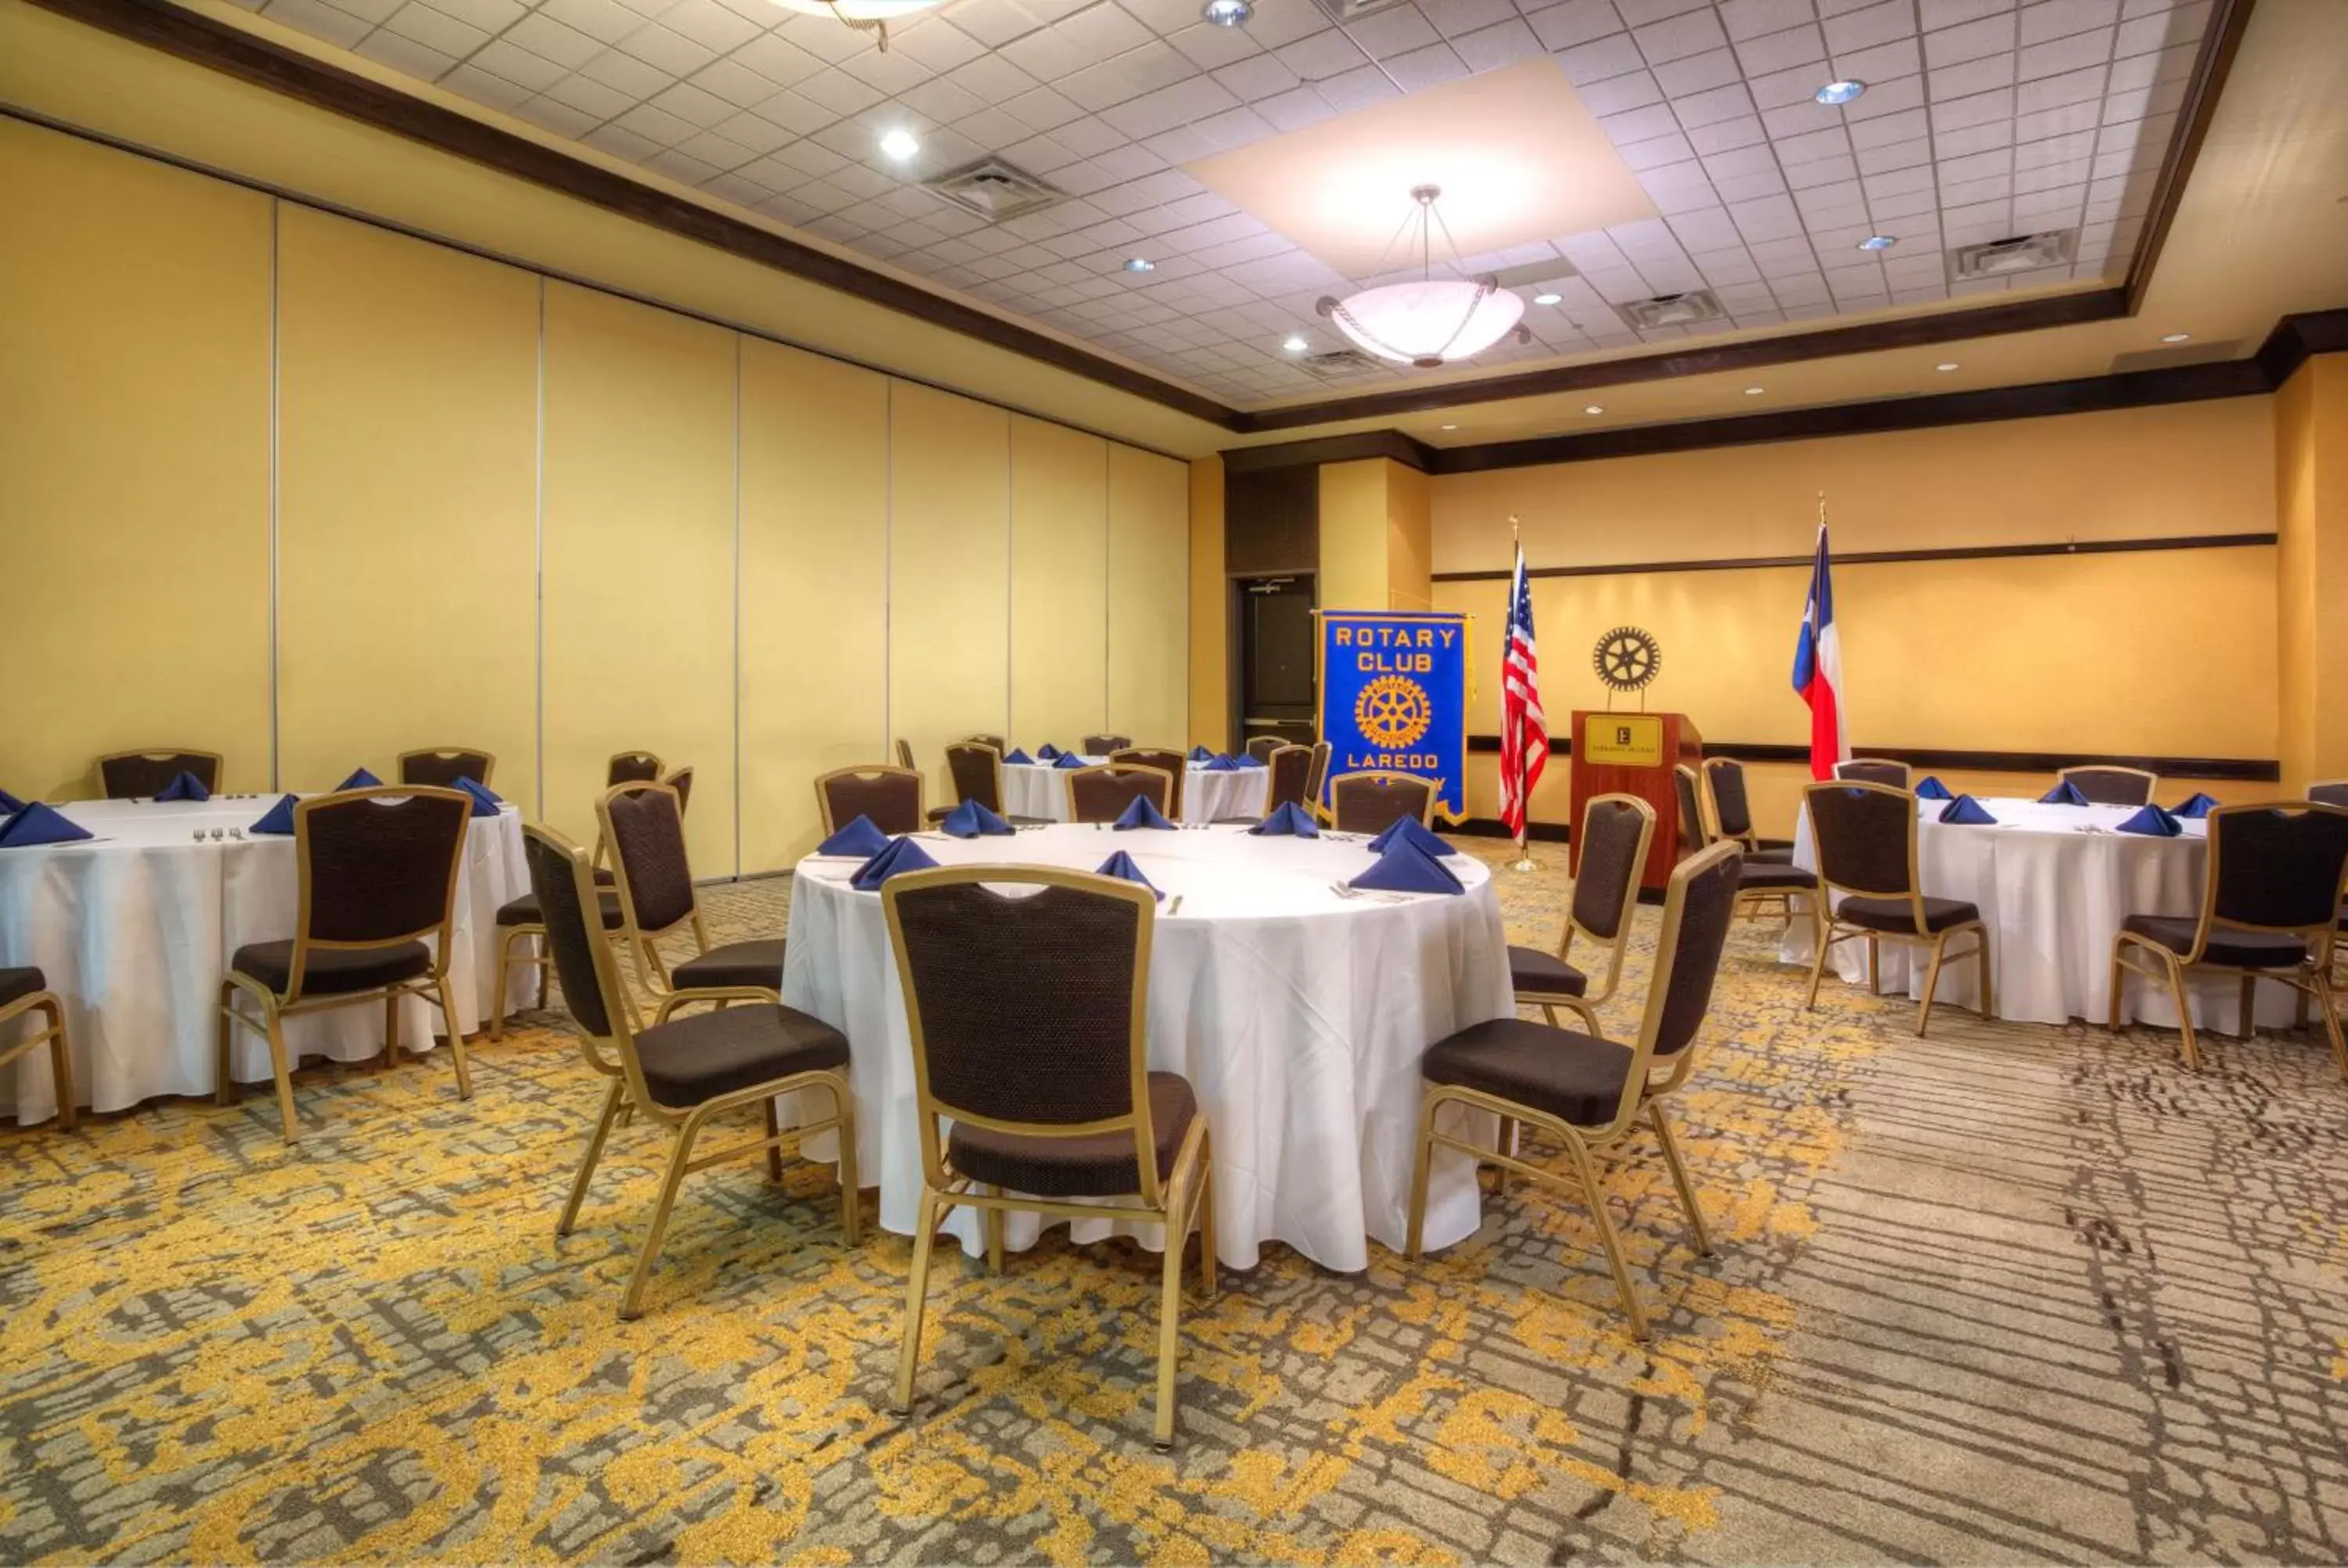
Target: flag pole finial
{"points": [[1822, 508], [1513, 533]]}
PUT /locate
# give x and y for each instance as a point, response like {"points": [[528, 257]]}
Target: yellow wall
{"points": [[1354, 544], [2312, 564], [1410, 542], [1059, 582], [1148, 594]]}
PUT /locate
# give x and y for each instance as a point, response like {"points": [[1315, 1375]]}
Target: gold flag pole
{"points": [[1524, 860]]}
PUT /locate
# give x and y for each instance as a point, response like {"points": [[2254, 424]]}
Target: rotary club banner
{"points": [[1395, 695]]}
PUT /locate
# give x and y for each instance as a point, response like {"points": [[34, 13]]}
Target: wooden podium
{"points": [[1633, 754]]}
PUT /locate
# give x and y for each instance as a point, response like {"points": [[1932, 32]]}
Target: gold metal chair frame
{"points": [[1612, 947], [488, 760], [1907, 773], [869, 771], [995, 743], [1427, 800], [2310, 977], [51, 1034], [1184, 1201], [1165, 803], [616, 758], [1750, 902], [2151, 780], [432, 986], [1831, 929], [158, 754], [627, 1096], [1639, 1094], [1172, 763]]}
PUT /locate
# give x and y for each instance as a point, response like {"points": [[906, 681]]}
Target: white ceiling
{"points": [[1982, 118]]}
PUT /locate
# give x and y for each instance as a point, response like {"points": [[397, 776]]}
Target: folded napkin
{"points": [[1219, 765], [1121, 866], [278, 818], [1405, 868], [185, 787], [1142, 813], [859, 838], [2152, 819], [2197, 808], [1199, 754], [38, 824], [1068, 760], [1043, 752], [1250, 759], [1933, 789], [360, 780], [970, 819], [902, 854], [1290, 818], [1020, 759], [9, 805], [1417, 832], [485, 803], [1968, 811], [2064, 793]]}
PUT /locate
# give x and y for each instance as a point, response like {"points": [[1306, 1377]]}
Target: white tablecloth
{"points": [[1298, 1016], [134, 930], [2053, 883], [1038, 790]]}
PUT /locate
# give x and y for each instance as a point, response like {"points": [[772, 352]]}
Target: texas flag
{"points": [[1818, 670]]}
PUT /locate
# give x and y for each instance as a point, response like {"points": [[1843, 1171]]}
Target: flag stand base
{"points": [[1527, 863]]}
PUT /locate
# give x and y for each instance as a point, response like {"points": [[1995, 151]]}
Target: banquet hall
{"points": [[998, 781]]}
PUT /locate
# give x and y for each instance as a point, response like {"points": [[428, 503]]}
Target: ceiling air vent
{"points": [[2015, 253], [995, 189], [1343, 11], [1339, 361], [1672, 309]]}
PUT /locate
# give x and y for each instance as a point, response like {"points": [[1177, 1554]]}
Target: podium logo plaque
{"points": [[1622, 740]]}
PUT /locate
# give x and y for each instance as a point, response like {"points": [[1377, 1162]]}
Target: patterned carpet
{"points": [[2012, 1293]]}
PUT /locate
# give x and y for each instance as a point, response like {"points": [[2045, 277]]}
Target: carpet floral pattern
{"points": [[2009, 1291]]}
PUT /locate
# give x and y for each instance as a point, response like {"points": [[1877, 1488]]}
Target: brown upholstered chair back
{"points": [[1102, 745], [1263, 746], [1102, 793], [1864, 835], [2331, 792], [890, 797], [581, 954], [1319, 780], [681, 781], [904, 754], [1606, 880], [1873, 770], [1731, 811], [2277, 867], [1680, 993], [631, 767], [1292, 777], [442, 767], [977, 772], [2113, 786], [1173, 764], [645, 827], [378, 865], [1374, 802], [126, 775], [1692, 835]]}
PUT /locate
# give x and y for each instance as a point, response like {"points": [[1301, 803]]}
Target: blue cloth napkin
{"points": [[1068, 760], [1142, 813], [1417, 832], [861, 836], [1933, 789], [972, 818], [1250, 759], [1021, 759], [1219, 766], [9, 805], [2064, 793], [278, 818], [2197, 808], [1405, 868], [186, 786], [2152, 819], [1968, 811], [1290, 818], [484, 803], [1199, 754], [1044, 753], [360, 780], [38, 824], [1121, 866], [902, 854]]}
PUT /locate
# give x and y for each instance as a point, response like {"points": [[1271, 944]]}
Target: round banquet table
{"points": [[135, 927], [1208, 794], [2053, 883], [1298, 1015]]}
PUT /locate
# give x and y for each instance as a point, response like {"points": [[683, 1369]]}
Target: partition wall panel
{"points": [[949, 573], [1059, 582], [813, 589], [639, 633], [1148, 596], [134, 463], [407, 501]]}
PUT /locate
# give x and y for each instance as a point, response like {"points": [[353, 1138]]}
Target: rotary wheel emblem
{"points": [[1628, 659], [1392, 713]]}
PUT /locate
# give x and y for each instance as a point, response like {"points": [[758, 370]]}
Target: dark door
{"points": [[1276, 685]]}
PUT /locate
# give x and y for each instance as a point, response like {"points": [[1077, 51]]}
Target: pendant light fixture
{"points": [[1433, 321], [864, 15]]}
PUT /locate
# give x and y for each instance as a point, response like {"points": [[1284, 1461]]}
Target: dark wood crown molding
{"points": [[1881, 557], [2247, 770]]}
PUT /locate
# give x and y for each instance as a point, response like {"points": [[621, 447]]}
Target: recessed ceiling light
{"points": [[1878, 242], [1594, 409], [1754, 390], [1547, 298], [1946, 364], [1293, 343], [2176, 337], [1228, 12], [1841, 92], [1140, 264], [900, 145], [1450, 428]]}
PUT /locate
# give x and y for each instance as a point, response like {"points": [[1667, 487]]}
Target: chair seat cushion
{"points": [[1772, 876], [1577, 1078], [2234, 950], [1544, 974], [333, 970], [525, 911], [1897, 914], [755, 963], [1097, 1165], [17, 984], [696, 1057], [1777, 854]]}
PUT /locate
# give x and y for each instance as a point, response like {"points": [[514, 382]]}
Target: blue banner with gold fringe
{"points": [[1393, 697]]}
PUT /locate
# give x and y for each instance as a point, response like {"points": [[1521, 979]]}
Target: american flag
{"points": [[1524, 729]]}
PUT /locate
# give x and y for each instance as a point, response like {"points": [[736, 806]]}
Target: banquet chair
{"points": [[2270, 904], [1874, 770], [1763, 887], [1029, 1021], [1173, 764], [905, 753], [1318, 778], [975, 769], [1292, 778], [1732, 811], [681, 781], [1865, 837], [1585, 1091], [1616, 832], [1101, 794], [631, 767], [442, 766], [2328, 792], [1263, 746], [683, 1072], [24, 992], [129, 775], [2106, 785], [891, 797], [1371, 801], [1102, 745], [378, 875], [644, 825], [1002, 746]]}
